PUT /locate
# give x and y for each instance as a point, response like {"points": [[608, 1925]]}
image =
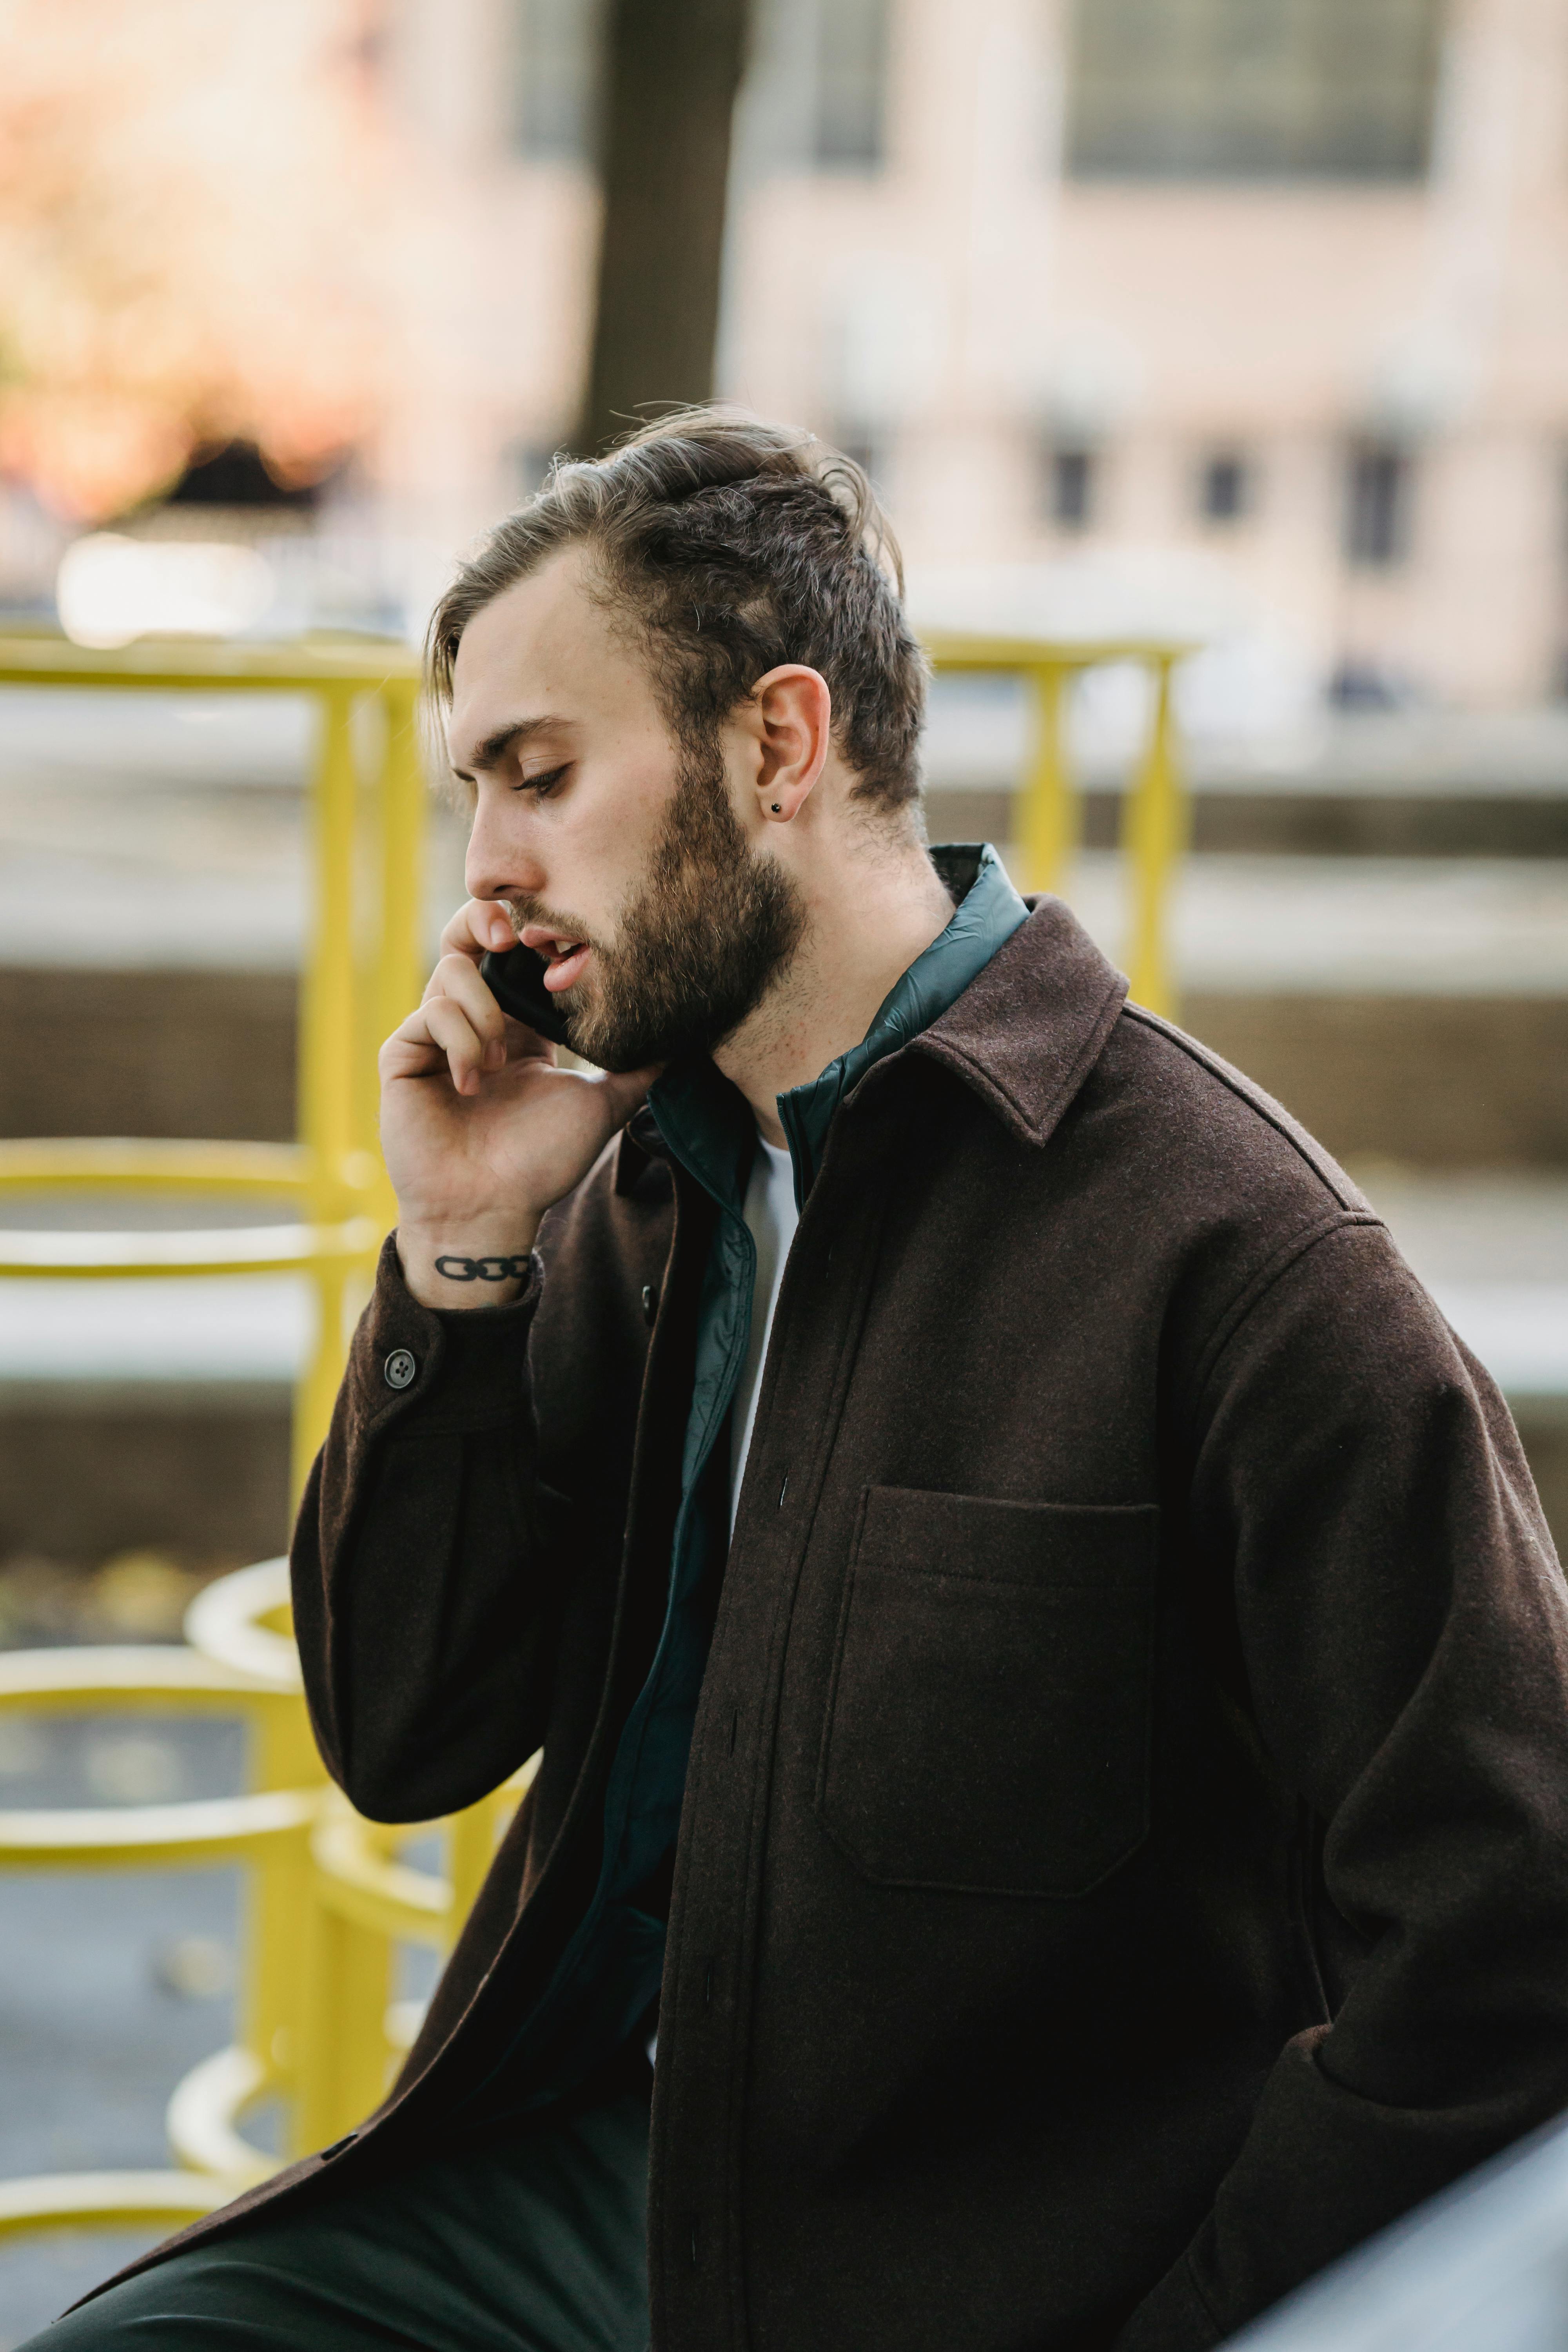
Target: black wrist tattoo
{"points": [[484, 1269]]}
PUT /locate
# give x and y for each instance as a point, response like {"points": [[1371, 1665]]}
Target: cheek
{"points": [[625, 820]]}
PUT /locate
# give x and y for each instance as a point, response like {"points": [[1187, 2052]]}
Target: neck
{"points": [[866, 923]]}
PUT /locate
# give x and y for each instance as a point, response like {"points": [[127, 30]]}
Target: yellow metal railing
{"points": [[268, 1828], [363, 970], [329, 1902], [1047, 814]]}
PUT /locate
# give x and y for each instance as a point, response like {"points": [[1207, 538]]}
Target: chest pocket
{"points": [[988, 1723]]}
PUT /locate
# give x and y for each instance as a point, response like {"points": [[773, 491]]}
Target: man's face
{"points": [[617, 847]]}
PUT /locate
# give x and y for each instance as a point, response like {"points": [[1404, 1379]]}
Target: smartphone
{"points": [[515, 978]]}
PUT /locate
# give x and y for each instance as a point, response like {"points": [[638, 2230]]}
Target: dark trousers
{"points": [[533, 2240]]}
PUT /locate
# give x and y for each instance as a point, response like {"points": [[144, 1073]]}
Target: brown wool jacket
{"points": [[1125, 1850]]}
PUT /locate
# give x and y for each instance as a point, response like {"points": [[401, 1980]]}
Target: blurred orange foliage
{"points": [[197, 202]]}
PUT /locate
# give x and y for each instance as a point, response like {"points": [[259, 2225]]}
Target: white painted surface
{"points": [[1493, 1252]]}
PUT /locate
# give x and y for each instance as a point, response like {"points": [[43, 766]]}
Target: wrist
{"points": [[447, 1266]]}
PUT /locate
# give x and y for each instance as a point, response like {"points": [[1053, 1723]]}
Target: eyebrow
{"points": [[494, 748]]}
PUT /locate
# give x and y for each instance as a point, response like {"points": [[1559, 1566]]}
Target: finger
{"points": [[405, 1057], [455, 977], [411, 1048], [478, 925], [450, 1029]]}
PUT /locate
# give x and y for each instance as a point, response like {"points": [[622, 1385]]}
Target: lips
{"points": [[564, 956], [560, 970]]}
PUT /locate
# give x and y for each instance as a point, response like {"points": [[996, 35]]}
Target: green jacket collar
{"points": [[707, 1122]]}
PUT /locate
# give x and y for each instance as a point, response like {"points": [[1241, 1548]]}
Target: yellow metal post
{"points": [[400, 974], [275, 2000], [347, 2061], [1047, 824], [1047, 827], [327, 1074], [1153, 838], [400, 966]]}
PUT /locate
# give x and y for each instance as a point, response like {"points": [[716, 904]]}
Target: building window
{"points": [[1071, 487], [851, 54], [1241, 90], [1225, 490], [815, 94], [1377, 505], [558, 50]]}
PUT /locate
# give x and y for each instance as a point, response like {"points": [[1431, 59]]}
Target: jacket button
{"points": [[649, 1302], [399, 1369]]}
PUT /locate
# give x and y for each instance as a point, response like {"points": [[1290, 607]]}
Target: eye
{"points": [[544, 785]]}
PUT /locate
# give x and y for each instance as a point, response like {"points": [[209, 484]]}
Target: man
{"points": [[1052, 1680]]}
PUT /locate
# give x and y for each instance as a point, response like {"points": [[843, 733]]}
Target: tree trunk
{"points": [[672, 69]]}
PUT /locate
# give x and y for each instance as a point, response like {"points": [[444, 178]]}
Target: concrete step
{"points": [[1441, 1081]]}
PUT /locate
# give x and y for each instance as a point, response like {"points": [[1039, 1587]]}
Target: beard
{"points": [[703, 937]]}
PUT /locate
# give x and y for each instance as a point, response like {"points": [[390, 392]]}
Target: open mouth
{"points": [[564, 956]]}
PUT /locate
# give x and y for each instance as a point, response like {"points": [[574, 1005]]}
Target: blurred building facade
{"points": [[1248, 314]]}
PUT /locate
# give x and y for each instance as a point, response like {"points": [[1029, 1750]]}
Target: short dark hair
{"points": [[739, 545]]}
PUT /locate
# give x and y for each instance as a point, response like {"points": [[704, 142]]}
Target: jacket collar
{"points": [[706, 1123], [987, 910], [1030, 1026], [1024, 1033]]}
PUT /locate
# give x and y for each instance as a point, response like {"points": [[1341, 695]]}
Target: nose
{"points": [[498, 863]]}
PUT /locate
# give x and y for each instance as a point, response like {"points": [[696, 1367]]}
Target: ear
{"points": [[791, 715]]}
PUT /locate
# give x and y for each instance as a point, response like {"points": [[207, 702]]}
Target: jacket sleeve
{"points": [[1405, 1638], [422, 1605]]}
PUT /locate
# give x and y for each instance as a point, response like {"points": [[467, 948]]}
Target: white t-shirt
{"points": [[770, 1219]]}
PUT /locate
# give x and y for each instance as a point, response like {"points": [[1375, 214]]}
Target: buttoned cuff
{"points": [[453, 1368]]}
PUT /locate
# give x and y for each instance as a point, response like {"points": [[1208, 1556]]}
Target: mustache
{"points": [[525, 910]]}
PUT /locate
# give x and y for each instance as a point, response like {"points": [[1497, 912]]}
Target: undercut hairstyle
{"points": [[732, 546]]}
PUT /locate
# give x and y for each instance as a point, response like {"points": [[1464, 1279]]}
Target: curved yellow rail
{"points": [[234, 1249], [155, 1677], [205, 1830], [358, 1878], [113, 2200], [226, 1622], [133, 1164], [202, 2118], [267, 1829]]}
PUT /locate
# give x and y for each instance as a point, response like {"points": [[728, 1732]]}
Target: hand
{"points": [[481, 1133]]}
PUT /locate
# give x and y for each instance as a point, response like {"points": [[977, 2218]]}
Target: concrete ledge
{"points": [[1438, 1082]]}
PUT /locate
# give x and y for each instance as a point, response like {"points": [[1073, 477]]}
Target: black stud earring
{"points": [[775, 808]]}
